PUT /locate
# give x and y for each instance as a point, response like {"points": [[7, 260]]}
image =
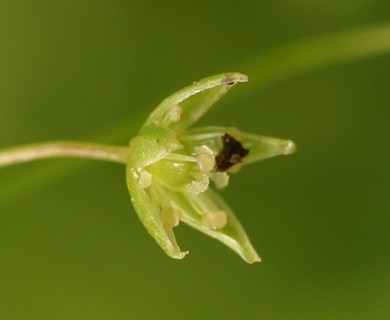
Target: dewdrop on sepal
{"points": [[172, 170]]}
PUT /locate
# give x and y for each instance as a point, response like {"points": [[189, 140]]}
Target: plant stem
{"points": [[55, 149]]}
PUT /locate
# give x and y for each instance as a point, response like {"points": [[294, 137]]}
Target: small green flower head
{"points": [[173, 170]]}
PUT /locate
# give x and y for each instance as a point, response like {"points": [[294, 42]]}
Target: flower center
{"points": [[179, 172]]}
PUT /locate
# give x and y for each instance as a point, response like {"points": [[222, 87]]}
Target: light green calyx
{"points": [[172, 170]]}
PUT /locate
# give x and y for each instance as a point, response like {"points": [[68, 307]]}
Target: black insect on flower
{"points": [[232, 153]]}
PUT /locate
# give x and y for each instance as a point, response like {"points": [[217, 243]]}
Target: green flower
{"points": [[172, 168]]}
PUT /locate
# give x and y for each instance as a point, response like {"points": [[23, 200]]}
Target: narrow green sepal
{"points": [[193, 101], [260, 147], [149, 210], [195, 213]]}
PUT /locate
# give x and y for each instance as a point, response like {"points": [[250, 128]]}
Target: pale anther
{"points": [[205, 159], [204, 150], [175, 114], [205, 162], [220, 179], [145, 179], [198, 186], [170, 217], [215, 220]]}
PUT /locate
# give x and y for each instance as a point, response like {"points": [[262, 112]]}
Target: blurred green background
{"points": [[71, 245]]}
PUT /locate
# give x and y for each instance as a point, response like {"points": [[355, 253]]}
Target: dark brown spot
{"points": [[230, 81], [232, 153]]}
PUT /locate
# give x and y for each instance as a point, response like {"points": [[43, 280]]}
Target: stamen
{"points": [[205, 159], [145, 179], [215, 220], [201, 184], [220, 179], [204, 150], [170, 217], [175, 114], [180, 157], [205, 162]]}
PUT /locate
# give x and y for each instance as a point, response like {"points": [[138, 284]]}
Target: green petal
{"points": [[232, 234], [260, 147], [151, 145], [193, 101], [148, 210]]}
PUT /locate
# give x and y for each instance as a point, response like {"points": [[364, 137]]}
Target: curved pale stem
{"points": [[56, 149]]}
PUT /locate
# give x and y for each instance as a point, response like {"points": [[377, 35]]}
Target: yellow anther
{"points": [[170, 217], [215, 220], [145, 179], [175, 114]]}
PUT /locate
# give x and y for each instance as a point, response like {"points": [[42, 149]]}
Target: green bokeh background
{"points": [[71, 245]]}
